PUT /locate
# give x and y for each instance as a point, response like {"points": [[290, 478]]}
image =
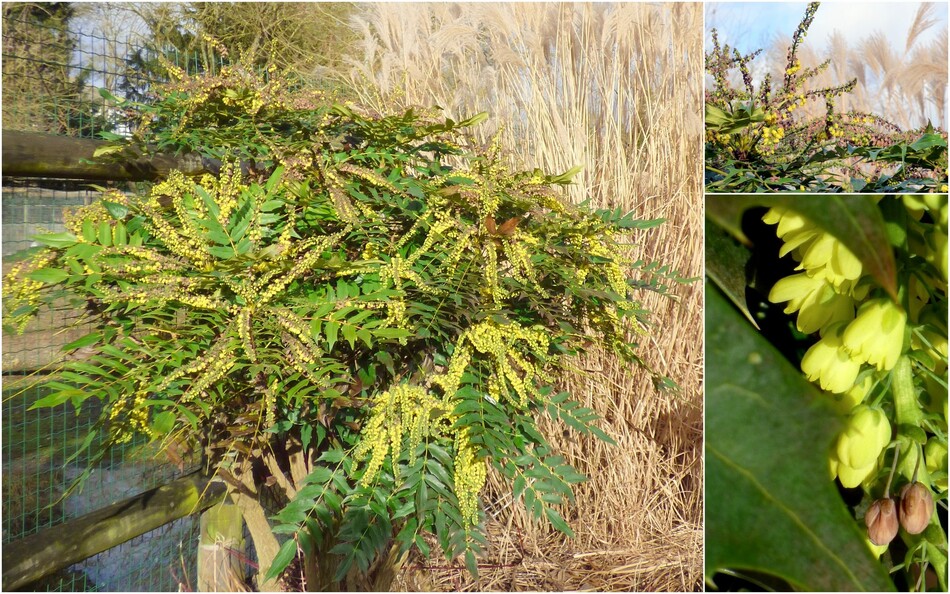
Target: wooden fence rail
{"points": [[30, 154]]}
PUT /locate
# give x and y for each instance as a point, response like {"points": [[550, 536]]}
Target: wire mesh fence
{"points": [[51, 77]]}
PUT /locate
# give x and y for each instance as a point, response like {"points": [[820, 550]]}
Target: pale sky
{"points": [[751, 25]]}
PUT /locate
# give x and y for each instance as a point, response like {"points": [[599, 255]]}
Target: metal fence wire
{"points": [[51, 78]]}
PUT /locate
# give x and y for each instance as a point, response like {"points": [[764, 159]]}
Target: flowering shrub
{"points": [[757, 139], [869, 328], [371, 297]]}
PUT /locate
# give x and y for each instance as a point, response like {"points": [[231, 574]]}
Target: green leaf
{"points": [[56, 240], [105, 233], [56, 398], [163, 422], [50, 276], [558, 522], [770, 505], [471, 563], [284, 556], [106, 94], [726, 265], [332, 328], [89, 339], [116, 210], [349, 334]]}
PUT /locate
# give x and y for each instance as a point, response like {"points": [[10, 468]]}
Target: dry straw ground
{"points": [[617, 89]]}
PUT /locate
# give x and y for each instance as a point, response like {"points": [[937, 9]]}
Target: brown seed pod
{"points": [[917, 505], [881, 520]]}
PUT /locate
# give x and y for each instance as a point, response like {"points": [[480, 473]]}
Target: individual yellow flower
{"points": [[859, 446], [815, 299], [794, 229], [828, 363], [829, 258], [876, 335]]}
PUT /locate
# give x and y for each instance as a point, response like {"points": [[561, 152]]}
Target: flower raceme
{"points": [[825, 295]]}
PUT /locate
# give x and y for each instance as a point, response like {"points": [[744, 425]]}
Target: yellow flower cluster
{"points": [[301, 357], [244, 332], [470, 475], [825, 295], [399, 269], [771, 136], [136, 418], [89, 215], [403, 410], [510, 368], [794, 68], [311, 252], [407, 414], [270, 403], [187, 243], [224, 189], [19, 290], [614, 272], [452, 378]]}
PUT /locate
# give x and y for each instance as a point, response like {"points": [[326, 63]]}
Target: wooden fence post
{"points": [[221, 549]]}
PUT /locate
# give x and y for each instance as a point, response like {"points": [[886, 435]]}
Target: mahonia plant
{"points": [[758, 140], [882, 362], [382, 288]]}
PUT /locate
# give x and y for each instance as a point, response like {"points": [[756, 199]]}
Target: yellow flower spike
{"points": [[876, 335], [860, 444], [829, 364]]}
